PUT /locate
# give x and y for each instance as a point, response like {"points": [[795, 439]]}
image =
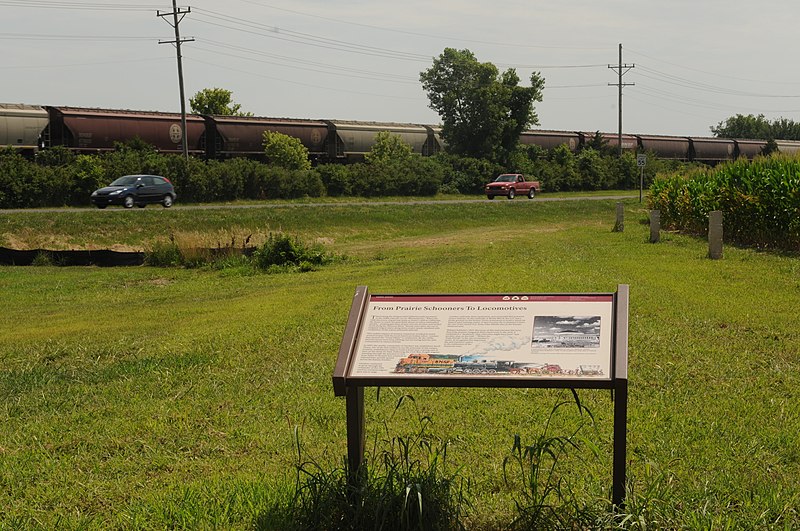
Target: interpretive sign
{"points": [[485, 340], [493, 336]]}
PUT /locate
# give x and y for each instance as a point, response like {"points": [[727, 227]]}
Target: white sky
{"points": [[697, 61]]}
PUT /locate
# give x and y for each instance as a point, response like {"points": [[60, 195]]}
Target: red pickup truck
{"points": [[511, 184]]}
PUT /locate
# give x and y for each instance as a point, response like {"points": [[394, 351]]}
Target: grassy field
{"points": [[153, 397]]}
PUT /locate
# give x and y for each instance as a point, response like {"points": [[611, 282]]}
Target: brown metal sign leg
{"points": [[620, 442], [355, 431]]}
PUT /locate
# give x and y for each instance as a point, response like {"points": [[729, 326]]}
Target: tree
{"points": [[770, 148], [483, 112], [741, 126], [216, 101], [389, 148], [599, 144], [285, 151], [751, 126]]}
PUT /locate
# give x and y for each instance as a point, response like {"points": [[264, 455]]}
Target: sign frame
{"points": [[348, 383]]}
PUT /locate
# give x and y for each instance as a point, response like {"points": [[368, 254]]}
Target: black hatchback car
{"points": [[136, 190]]}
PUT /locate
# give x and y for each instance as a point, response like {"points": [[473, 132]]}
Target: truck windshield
{"points": [[506, 179]]}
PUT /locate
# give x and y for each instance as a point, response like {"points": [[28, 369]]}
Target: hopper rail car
{"points": [[29, 128]]}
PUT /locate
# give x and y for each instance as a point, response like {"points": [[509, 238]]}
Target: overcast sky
{"points": [[697, 62]]}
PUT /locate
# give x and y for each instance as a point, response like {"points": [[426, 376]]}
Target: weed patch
{"points": [[280, 253], [404, 484]]}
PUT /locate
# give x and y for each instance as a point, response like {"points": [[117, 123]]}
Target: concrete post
{"points": [[619, 225], [715, 235], [655, 226]]}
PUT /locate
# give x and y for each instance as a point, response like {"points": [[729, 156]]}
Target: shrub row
{"points": [[59, 177], [760, 200]]}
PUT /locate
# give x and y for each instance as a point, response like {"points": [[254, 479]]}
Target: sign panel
{"points": [[641, 160], [515, 340], [533, 336]]}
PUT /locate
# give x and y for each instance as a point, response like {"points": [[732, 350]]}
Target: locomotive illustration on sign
{"points": [[451, 364]]}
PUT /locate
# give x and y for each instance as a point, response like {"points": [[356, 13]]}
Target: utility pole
{"points": [[621, 69], [175, 13]]}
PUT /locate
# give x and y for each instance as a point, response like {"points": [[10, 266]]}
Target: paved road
{"points": [[538, 199]]}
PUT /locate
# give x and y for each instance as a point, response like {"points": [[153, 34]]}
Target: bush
{"points": [[336, 178], [560, 172], [283, 251], [55, 156], [24, 184], [466, 175], [285, 151], [87, 176]]}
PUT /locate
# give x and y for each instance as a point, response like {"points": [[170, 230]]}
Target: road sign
{"points": [[641, 160]]}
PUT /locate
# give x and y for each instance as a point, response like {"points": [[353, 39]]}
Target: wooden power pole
{"points": [[175, 14], [621, 69]]}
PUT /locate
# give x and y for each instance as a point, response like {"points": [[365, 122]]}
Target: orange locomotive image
{"points": [[453, 364]]}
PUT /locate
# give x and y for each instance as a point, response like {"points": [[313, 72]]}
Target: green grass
{"points": [[192, 425]]}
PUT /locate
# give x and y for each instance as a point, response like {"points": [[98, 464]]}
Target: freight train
{"points": [[29, 128]]}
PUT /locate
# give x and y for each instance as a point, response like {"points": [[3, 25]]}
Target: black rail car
{"points": [[350, 141], [711, 150], [666, 147], [236, 136]]}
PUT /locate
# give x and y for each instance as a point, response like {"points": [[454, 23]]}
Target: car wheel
{"points": [[490, 196], [128, 202], [531, 193], [511, 194], [167, 201], [101, 207]]}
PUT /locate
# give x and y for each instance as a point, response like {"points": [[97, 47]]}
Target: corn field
{"points": [[760, 201]]}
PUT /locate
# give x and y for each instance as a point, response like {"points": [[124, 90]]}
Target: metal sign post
{"points": [[641, 161], [569, 341]]}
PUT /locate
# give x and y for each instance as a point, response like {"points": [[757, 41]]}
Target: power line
{"points": [[691, 84], [327, 68], [292, 82], [306, 38], [419, 34], [294, 61], [349, 73], [50, 37], [707, 72], [670, 96], [79, 6], [275, 32], [73, 65]]}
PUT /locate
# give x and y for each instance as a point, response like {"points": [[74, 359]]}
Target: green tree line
{"points": [[757, 127]]}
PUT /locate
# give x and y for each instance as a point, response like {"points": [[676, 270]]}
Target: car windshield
{"points": [[125, 181], [506, 179]]}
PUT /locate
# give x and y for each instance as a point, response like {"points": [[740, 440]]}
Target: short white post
{"points": [[715, 235], [655, 226], [619, 225]]}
